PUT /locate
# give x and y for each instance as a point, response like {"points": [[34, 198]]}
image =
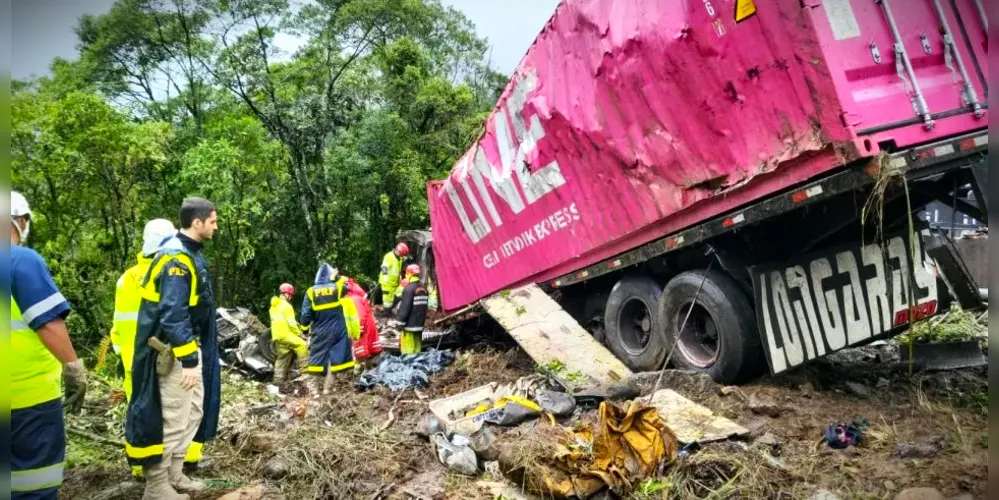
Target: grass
{"points": [[956, 325], [882, 436]]}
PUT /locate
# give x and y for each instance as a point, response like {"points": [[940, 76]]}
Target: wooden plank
{"points": [[552, 337], [691, 421]]}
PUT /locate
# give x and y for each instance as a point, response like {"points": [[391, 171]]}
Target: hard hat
{"points": [[18, 205], [153, 235], [413, 269], [287, 288], [402, 249]]}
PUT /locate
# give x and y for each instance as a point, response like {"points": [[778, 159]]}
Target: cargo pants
{"points": [[284, 351], [182, 411]]}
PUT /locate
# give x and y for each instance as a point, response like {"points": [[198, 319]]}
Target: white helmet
{"points": [[18, 205], [153, 235], [19, 208]]}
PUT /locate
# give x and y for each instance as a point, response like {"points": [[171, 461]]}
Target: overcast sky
{"points": [[42, 30]]}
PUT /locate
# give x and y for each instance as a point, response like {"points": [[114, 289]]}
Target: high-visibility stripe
{"points": [[342, 367], [18, 324], [126, 316], [186, 349], [326, 307], [149, 292], [143, 452], [315, 369], [194, 452], [43, 306], [37, 479], [413, 329]]}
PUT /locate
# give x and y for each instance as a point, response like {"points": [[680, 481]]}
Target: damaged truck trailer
{"points": [[731, 184]]}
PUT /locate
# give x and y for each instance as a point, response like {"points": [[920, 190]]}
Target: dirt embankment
{"points": [[922, 430]]}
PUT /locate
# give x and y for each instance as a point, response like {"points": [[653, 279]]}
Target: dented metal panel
{"points": [[628, 120]]}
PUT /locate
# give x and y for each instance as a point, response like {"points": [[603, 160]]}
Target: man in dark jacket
{"points": [[412, 312], [174, 382], [330, 317]]}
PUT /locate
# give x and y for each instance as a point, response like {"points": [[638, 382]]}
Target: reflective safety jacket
{"points": [[413, 306], [127, 298], [331, 318], [178, 308], [35, 374], [388, 276], [283, 323]]}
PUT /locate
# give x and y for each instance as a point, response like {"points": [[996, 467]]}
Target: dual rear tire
{"points": [[700, 321]]}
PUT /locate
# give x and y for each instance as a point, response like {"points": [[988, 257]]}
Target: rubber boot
{"points": [[158, 485], [180, 481]]}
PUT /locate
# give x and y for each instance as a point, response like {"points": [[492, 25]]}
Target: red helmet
{"points": [[287, 288], [402, 249], [413, 269]]}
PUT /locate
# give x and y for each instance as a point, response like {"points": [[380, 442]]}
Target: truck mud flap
{"points": [[944, 355], [845, 296], [554, 339], [954, 272]]}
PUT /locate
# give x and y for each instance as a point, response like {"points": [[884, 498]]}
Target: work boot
{"points": [[181, 482], [158, 485]]}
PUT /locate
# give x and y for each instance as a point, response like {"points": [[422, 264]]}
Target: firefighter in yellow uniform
{"points": [[285, 335], [127, 299], [388, 275]]}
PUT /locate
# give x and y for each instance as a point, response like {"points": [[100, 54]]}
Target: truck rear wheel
{"points": [[720, 336], [632, 328]]}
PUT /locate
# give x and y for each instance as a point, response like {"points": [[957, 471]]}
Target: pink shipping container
{"points": [[629, 120]]}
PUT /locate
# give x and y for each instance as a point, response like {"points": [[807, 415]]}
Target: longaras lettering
{"points": [[825, 303]]}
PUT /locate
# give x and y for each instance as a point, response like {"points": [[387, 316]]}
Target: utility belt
{"points": [[165, 356]]}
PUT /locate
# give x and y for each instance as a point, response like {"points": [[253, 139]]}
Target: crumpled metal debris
{"points": [[409, 370]]}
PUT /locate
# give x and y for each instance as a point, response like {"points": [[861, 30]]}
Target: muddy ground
{"points": [[923, 430]]}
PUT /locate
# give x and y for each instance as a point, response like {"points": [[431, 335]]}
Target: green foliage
{"points": [[955, 325], [318, 153]]}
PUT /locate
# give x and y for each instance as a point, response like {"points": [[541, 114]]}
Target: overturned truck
{"points": [[731, 185]]}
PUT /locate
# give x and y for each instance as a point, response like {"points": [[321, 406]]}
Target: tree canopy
{"points": [[313, 126]]}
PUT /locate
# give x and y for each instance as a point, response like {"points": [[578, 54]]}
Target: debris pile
{"points": [[481, 422]]}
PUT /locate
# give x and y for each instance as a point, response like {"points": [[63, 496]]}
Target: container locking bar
{"points": [[968, 94], [904, 68], [981, 14]]}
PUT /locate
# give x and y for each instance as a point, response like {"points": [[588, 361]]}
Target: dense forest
{"points": [[320, 153]]}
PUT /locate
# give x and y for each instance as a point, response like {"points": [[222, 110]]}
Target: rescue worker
{"points": [[175, 371], [412, 312], [331, 320], [285, 335], [369, 345], [393, 306], [42, 358], [388, 276], [127, 298]]}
